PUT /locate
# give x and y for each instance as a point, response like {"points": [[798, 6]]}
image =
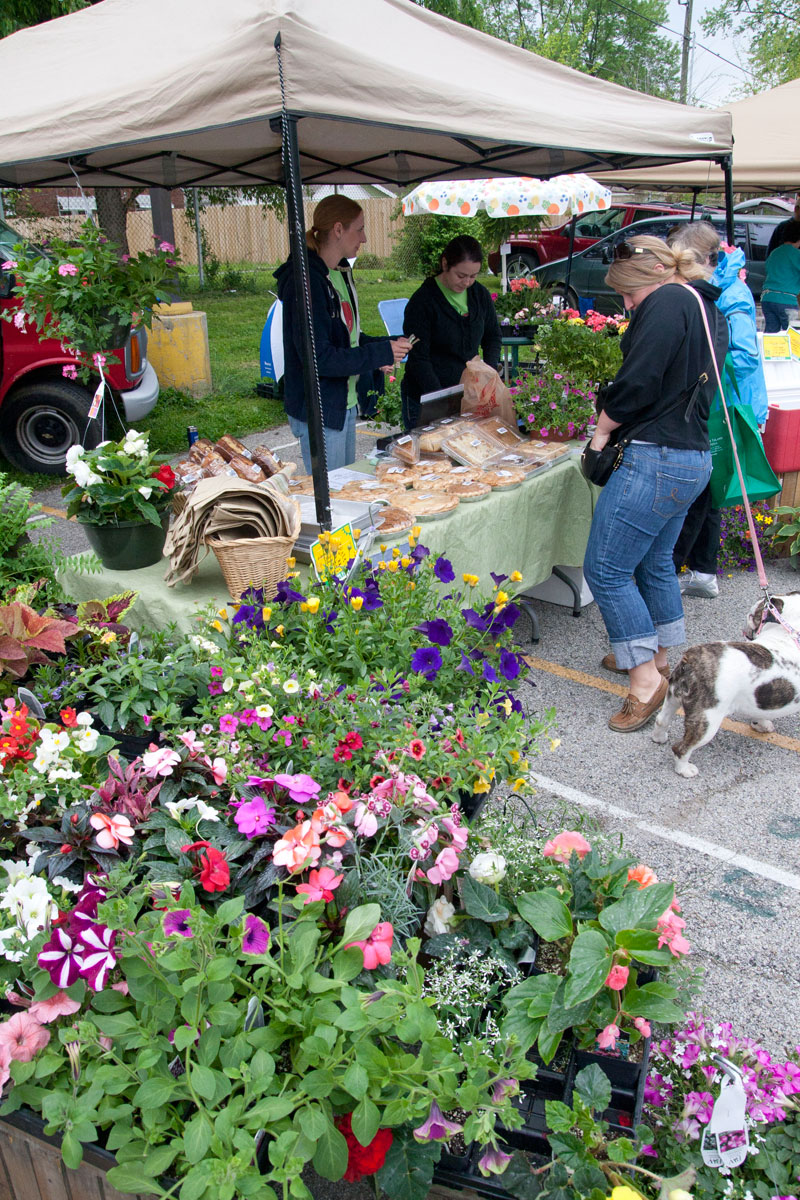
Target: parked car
{"points": [[589, 268], [766, 206], [531, 250], [42, 414]]}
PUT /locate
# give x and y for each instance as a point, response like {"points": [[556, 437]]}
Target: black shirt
{"points": [[447, 340]]}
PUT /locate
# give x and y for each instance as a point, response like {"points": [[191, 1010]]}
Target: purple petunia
{"points": [[498, 579], [427, 661], [475, 620], [489, 673], [253, 817], [443, 570], [465, 665], [287, 595], [510, 665], [437, 630], [255, 939], [177, 921]]}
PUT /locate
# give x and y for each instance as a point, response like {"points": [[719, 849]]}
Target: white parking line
{"points": [[753, 865]]}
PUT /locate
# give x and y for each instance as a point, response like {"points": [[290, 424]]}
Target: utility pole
{"points": [[685, 50]]}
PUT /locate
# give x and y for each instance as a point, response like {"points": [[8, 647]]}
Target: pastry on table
{"points": [[426, 505], [548, 451], [368, 490], [391, 521], [467, 489], [432, 436], [503, 478], [431, 483], [301, 485], [500, 431], [471, 446], [406, 448], [433, 466], [392, 471]]}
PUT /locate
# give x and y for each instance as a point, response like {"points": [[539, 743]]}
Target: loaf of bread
{"points": [[230, 447], [246, 469], [199, 449], [269, 464]]}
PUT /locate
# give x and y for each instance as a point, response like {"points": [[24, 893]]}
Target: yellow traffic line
{"points": [[616, 689], [56, 512]]}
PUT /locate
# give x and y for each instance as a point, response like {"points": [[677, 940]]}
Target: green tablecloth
{"points": [[542, 524]]}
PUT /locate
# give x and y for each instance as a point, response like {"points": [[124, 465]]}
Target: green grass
{"points": [[235, 321]]}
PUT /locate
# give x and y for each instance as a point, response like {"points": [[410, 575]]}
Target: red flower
{"points": [[166, 474], [350, 742], [417, 749], [363, 1160], [68, 717], [213, 869]]}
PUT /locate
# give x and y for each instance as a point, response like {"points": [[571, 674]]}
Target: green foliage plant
{"points": [[571, 346], [118, 481], [788, 531], [22, 560]]}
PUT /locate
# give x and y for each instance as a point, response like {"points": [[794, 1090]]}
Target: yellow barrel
{"points": [[178, 348]]}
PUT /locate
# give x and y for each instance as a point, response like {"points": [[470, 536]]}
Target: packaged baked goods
{"points": [[199, 449], [406, 448], [467, 489], [503, 479], [551, 451], [471, 446], [188, 474], [268, 462], [246, 469], [214, 465], [398, 474], [521, 459], [432, 436], [371, 489], [440, 465], [427, 506], [507, 435], [230, 447]]}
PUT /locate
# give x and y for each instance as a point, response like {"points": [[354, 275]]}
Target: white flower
{"points": [[291, 687], [489, 867], [205, 812], [264, 710], [33, 850], [74, 454], [12, 937], [84, 718], [60, 740], [87, 740], [146, 492], [67, 884], [15, 868], [440, 917], [227, 684]]}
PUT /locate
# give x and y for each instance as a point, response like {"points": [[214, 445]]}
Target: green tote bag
{"points": [[760, 480]]}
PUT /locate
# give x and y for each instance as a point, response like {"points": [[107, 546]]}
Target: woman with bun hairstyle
{"points": [[343, 351], [452, 317], [661, 394]]}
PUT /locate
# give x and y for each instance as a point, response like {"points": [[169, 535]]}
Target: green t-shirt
{"points": [[782, 280], [457, 299], [351, 321]]}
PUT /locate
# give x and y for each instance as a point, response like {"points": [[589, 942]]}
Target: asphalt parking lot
{"points": [[730, 837]]}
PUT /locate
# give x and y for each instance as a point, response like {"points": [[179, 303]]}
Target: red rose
{"points": [[363, 1160], [166, 475]]}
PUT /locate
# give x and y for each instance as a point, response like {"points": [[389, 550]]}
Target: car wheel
{"points": [[564, 297], [520, 265], [40, 421]]}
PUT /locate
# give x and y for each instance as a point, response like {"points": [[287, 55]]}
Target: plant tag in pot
{"points": [[97, 400], [725, 1138]]}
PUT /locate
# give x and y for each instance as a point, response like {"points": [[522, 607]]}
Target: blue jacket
{"points": [[336, 359], [739, 307]]}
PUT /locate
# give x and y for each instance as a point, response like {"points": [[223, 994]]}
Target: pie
{"points": [[392, 471], [503, 479], [433, 466], [303, 485], [431, 483], [521, 459], [429, 504], [391, 521], [468, 489], [501, 431], [549, 451], [368, 490], [432, 436], [406, 448]]}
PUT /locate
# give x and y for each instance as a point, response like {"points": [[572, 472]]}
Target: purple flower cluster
{"points": [[736, 550]]}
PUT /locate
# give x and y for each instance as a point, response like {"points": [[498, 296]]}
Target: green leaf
{"points": [[547, 913], [683, 1181], [621, 1150], [643, 946], [71, 1150], [649, 1001], [562, 1016], [560, 1117], [197, 1138], [359, 925], [330, 1156], [204, 1081], [230, 910], [132, 1178], [184, 1036], [589, 964], [482, 902], [407, 1173], [638, 909], [568, 1149], [311, 1121], [549, 1041], [594, 1087], [365, 1121], [355, 1081], [160, 1159], [154, 1092], [518, 1180]]}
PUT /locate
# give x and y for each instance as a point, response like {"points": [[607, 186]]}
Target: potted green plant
{"points": [[121, 493], [87, 295], [586, 349], [523, 307], [553, 407]]}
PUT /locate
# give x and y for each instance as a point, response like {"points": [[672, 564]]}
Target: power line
{"points": [[659, 25]]}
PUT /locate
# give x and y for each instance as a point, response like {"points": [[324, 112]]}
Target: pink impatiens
{"points": [[570, 842], [378, 946]]}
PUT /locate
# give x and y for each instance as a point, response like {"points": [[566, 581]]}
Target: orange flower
{"points": [[643, 875], [299, 847]]}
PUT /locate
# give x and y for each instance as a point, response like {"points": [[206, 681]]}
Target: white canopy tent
{"points": [[194, 92]]}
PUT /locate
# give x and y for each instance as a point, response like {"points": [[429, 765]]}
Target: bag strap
{"points": [[762, 575]]}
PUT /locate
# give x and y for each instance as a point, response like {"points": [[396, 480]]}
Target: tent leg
{"points": [[297, 249], [572, 225], [727, 168]]}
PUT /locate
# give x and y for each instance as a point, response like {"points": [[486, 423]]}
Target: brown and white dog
{"points": [[757, 679]]}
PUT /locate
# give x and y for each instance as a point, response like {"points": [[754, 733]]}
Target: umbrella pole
{"points": [[572, 225], [297, 249]]}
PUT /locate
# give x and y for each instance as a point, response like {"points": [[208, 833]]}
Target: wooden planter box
{"points": [[31, 1167]]}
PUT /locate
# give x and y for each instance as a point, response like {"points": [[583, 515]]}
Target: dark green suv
{"points": [[589, 267]]}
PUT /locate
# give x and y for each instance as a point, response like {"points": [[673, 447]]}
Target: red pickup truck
{"points": [[42, 412], [531, 250]]}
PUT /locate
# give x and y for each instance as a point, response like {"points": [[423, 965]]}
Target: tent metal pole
{"points": [[572, 225], [302, 291], [727, 169]]}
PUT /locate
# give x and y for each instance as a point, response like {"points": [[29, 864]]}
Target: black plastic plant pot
{"points": [[471, 803], [130, 745], [627, 1081]]}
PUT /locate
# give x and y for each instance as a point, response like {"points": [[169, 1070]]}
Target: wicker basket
{"points": [[252, 562]]}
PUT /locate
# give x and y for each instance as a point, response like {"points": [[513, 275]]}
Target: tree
{"points": [[772, 29], [617, 40], [18, 14]]}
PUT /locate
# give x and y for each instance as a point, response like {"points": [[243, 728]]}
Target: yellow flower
{"points": [[411, 585], [395, 553], [482, 719], [356, 534], [472, 580], [555, 743], [406, 562], [501, 599], [416, 531], [412, 542], [356, 602], [217, 625], [382, 547], [519, 784], [381, 565], [279, 630], [392, 565], [625, 1193], [481, 785], [108, 637], [313, 604], [223, 612], [304, 606], [515, 577], [515, 756], [506, 705], [290, 562], [266, 612]]}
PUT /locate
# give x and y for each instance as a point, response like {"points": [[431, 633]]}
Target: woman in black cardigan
{"points": [[453, 317]]}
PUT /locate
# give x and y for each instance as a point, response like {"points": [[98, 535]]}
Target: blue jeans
{"points": [[776, 316], [340, 444], [628, 562]]}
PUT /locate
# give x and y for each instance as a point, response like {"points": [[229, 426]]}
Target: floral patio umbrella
{"points": [[516, 196]]}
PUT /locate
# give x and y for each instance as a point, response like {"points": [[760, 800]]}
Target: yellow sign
{"points": [[776, 345], [332, 553], [794, 342]]}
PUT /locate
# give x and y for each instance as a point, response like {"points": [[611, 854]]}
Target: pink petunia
{"points": [[255, 939], [57, 1006], [567, 843], [24, 1036]]}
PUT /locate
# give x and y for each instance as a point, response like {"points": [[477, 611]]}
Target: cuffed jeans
{"points": [[628, 562], [340, 444]]}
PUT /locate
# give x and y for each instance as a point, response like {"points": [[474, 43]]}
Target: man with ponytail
{"points": [[343, 351]]}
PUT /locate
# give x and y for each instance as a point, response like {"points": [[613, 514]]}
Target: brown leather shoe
{"points": [[635, 714], [609, 663]]}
